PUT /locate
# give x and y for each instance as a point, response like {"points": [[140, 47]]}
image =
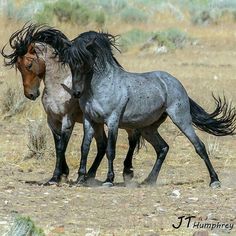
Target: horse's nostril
{"points": [[77, 94], [31, 96]]}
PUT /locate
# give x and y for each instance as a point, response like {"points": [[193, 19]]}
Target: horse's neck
{"points": [[98, 80], [102, 73], [56, 74]]}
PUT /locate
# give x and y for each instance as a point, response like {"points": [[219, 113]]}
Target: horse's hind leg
{"points": [[182, 119], [133, 137], [161, 147]]}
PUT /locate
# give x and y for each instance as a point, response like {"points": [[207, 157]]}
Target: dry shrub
{"points": [[213, 146], [37, 139], [24, 226], [12, 101]]}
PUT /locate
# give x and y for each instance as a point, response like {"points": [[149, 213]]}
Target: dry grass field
{"points": [[206, 66]]}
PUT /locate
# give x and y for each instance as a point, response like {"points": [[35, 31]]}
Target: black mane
{"points": [[90, 45], [83, 49], [31, 33]]}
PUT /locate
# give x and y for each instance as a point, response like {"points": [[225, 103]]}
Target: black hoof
{"points": [[128, 175], [108, 182], [55, 180], [149, 182], [215, 184], [80, 180]]}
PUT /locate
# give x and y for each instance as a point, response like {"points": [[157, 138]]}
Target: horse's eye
{"points": [[29, 66]]}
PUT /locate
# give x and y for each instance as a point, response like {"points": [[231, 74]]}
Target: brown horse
{"points": [[36, 63]]}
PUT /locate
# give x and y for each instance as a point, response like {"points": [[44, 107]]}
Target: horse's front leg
{"points": [[111, 149], [61, 139], [87, 139], [101, 141]]}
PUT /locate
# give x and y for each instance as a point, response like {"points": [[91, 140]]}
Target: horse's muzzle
{"points": [[32, 96], [76, 94]]}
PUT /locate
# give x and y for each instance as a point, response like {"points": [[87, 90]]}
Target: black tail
{"points": [[221, 122], [140, 143]]}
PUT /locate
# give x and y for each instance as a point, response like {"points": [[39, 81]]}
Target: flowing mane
{"points": [[93, 48], [32, 33]]}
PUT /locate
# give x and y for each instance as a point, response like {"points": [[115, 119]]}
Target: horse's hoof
{"points": [[56, 180], [107, 184], [80, 181], [127, 178], [128, 175], [52, 181], [215, 184], [148, 182]]}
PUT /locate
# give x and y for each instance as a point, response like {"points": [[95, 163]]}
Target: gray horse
{"points": [[37, 63], [110, 95]]}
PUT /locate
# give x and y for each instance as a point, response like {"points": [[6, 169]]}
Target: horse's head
{"points": [[81, 62], [88, 53], [24, 55], [32, 69], [80, 74]]}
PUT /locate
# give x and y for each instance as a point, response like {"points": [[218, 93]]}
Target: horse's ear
{"points": [[68, 90]]}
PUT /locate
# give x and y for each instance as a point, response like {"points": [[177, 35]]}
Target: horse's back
{"points": [[164, 93], [174, 89]]}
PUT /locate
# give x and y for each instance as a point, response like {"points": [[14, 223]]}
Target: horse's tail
{"points": [[140, 143], [137, 140], [221, 122]]}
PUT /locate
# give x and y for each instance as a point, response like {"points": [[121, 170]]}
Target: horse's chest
{"points": [[95, 111], [55, 105]]}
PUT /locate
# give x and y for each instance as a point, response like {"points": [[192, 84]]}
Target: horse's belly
{"points": [[139, 120]]}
